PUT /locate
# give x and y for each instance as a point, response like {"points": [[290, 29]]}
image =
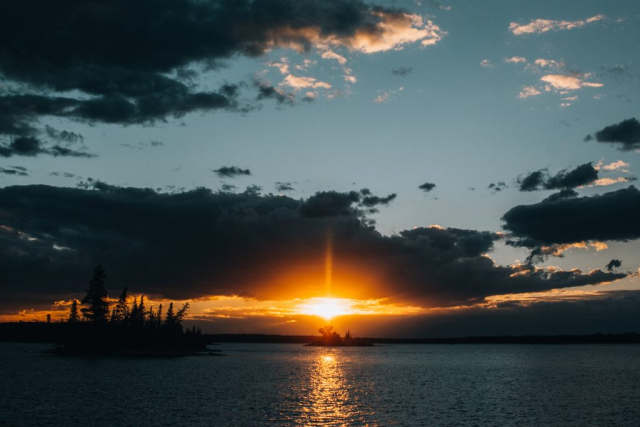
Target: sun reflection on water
{"points": [[329, 394]]}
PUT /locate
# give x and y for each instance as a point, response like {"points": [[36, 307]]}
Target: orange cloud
{"points": [[539, 26], [390, 32], [564, 82]]}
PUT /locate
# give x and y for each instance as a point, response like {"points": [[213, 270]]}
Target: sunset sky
{"points": [[407, 168]]}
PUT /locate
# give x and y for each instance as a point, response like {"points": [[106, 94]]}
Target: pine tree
{"points": [[142, 314], [159, 316], [180, 315], [121, 310], [74, 317], [96, 298], [170, 319]]}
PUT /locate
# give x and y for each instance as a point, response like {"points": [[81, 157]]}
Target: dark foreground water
{"points": [[282, 384]]}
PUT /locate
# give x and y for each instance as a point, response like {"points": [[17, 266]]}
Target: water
{"points": [[282, 384]]}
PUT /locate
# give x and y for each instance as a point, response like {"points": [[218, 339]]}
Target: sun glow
{"points": [[327, 308]]}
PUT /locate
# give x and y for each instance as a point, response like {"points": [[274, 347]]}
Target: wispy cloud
{"points": [[539, 26], [528, 91], [569, 82], [304, 82], [516, 60]]}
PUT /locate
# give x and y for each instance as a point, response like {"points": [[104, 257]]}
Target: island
{"points": [[330, 338], [95, 327]]}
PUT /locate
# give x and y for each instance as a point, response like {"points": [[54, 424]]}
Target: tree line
{"points": [[93, 325]]}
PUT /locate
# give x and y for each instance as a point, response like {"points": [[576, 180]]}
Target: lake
{"points": [[288, 384]]}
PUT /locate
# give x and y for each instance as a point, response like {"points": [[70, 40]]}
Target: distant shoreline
{"points": [[37, 332], [624, 338]]}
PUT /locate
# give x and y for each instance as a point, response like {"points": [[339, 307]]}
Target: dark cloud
{"points": [[626, 133], [231, 172], [28, 146], [14, 170], [427, 186], [533, 181], [64, 174], [227, 188], [614, 263], [565, 193], [284, 186], [498, 186], [610, 216], [63, 136], [267, 91], [369, 200], [402, 71], [199, 243], [136, 62], [330, 204], [541, 180]]}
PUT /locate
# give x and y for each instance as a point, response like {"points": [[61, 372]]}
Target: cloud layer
{"points": [[200, 243], [124, 62]]}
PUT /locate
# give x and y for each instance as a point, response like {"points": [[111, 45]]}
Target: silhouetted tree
{"points": [[180, 315], [158, 322], [138, 313], [171, 318], [329, 336], [48, 318], [74, 317], [98, 309], [120, 312]]}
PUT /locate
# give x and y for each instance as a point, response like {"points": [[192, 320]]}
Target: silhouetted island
{"points": [[93, 329], [330, 338]]}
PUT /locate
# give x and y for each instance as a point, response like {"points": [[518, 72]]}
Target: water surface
{"points": [[288, 384]]}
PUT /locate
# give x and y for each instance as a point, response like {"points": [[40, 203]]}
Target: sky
{"points": [[412, 168]]}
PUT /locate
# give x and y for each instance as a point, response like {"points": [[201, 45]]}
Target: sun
{"points": [[327, 308]]}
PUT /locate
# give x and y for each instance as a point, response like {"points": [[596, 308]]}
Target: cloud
{"points": [[427, 186], [14, 170], [267, 91], [539, 26], [64, 175], [304, 82], [548, 63], [497, 186], [385, 95], [110, 66], [329, 54], [284, 186], [28, 146], [614, 263], [565, 82], [486, 63], [200, 243], [610, 216], [626, 133], [565, 193], [402, 71], [582, 175], [516, 60], [231, 172], [528, 91], [63, 136], [613, 166]]}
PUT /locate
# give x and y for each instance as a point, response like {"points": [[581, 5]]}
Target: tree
{"points": [[120, 312], [170, 319], [74, 317], [96, 298]]}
